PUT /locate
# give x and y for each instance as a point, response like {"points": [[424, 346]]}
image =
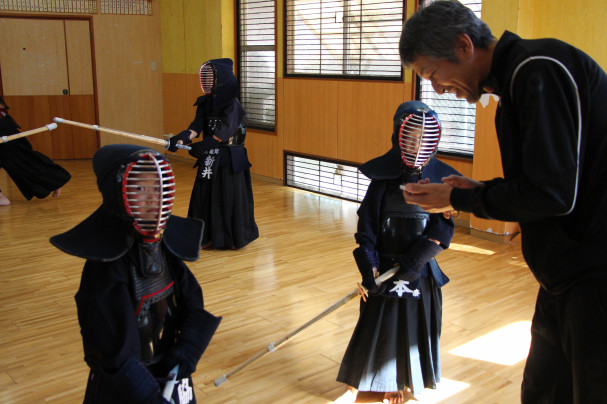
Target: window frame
{"points": [[255, 120], [288, 51], [466, 152]]}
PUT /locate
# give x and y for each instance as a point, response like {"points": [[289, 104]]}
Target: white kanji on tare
{"points": [[401, 287], [207, 172], [184, 391]]}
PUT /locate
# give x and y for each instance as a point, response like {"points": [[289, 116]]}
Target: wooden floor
{"points": [[300, 265]]}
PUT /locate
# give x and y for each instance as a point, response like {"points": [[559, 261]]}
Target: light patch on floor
{"points": [[470, 249], [505, 346]]}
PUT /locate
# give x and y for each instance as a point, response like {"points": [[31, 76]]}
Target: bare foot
{"points": [[349, 397], [206, 246], [4, 200], [394, 397], [56, 193]]}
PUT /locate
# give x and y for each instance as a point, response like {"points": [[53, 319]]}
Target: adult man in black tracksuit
{"points": [[551, 125]]}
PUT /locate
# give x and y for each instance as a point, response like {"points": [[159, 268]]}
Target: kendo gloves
{"points": [[184, 136], [406, 282], [195, 336], [366, 260], [132, 381]]}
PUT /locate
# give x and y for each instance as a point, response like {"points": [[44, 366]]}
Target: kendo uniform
{"points": [[35, 174], [222, 195], [395, 343], [551, 124], [140, 308]]}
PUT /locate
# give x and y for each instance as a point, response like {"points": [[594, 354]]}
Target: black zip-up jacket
{"points": [[552, 130]]}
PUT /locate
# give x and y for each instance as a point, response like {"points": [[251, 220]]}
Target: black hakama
{"points": [[225, 203], [35, 174], [390, 349], [395, 345]]}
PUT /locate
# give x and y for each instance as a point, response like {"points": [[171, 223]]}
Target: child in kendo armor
{"points": [[140, 309], [222, 195], [394, 348]]}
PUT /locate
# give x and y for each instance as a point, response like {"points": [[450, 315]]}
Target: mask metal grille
{"points": [[208, 78], [148, 189], [418, 138]]}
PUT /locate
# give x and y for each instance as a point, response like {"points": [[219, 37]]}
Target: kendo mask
{"points": [[138, 189], [416, 134], [208, 77], [217, 80], [138, 186]]}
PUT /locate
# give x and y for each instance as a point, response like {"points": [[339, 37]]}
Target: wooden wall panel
{"points": [[175, 102], [184, 105], [365, 115], [310, 116], [62, 138], [196, 31], [228, 30], [129, 74], [501, 15], [79, 60], [580, 24], [38, 68], [265, 149], [33, 57], [173, 36], [180, 92], [488, 165], [463, 166], [203, 36], [86, 141], [32, 112], [265, 153]]}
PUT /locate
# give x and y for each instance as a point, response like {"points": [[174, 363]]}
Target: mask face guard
{"points": [[418, 137], [148, 190], [208, 78]]}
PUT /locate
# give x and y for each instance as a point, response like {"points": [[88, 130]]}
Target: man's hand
{"points": [[433, 198], [457, 181], [436, 198]]}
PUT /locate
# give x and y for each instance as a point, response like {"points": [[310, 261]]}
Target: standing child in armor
{"points": [[395, 345], [34, 173], [222, 195], [140, 309]]}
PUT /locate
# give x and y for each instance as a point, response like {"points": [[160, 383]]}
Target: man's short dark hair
{"points": [[432, 31]]}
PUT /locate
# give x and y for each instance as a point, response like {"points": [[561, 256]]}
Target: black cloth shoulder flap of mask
{"points": [[138, 189]]}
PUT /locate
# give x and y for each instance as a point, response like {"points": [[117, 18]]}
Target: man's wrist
{"points": [[460, 199]]}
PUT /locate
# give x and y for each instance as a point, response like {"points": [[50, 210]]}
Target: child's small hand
{"points": [[451, 213]]}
